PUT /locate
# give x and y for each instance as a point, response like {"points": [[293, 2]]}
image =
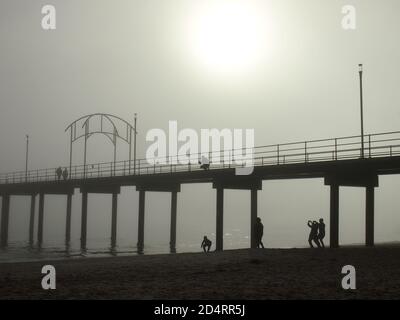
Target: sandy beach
{"points": [[236, 274]]}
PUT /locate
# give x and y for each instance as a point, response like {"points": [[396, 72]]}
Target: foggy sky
{"points": [[122, 57]]}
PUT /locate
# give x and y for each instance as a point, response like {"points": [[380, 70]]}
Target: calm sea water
{"points": [[22, 252]]}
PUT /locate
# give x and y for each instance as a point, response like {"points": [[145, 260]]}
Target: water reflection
{"points": [[16, 252], [25, 251]]}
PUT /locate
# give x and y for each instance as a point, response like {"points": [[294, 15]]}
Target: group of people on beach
{"points": [[61, 173], [317, 233]]}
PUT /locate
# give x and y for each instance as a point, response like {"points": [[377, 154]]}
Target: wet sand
{"points": [[236, 274]]}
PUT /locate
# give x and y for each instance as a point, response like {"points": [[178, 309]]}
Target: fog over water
{"points": [[125, 57]]}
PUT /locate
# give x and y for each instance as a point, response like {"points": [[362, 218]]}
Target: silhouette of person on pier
{"points": [[65, 174], [59, 173], [206, 244], [204, 163], [313, 233], [321, 232], [258, 233]]}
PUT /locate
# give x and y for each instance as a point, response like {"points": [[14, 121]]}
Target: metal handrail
{"points": [[333, 149]]}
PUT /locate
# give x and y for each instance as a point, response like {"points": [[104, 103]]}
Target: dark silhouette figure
{"points": [[205, 166], [204, 163], [321, 232], [313, 233], [59, 173], [206, 244], [258, 233], [65, 174]]}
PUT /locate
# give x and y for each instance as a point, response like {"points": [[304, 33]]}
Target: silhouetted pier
{"points": [[340, 161]]}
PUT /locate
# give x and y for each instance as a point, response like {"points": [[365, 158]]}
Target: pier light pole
{"points": [[134, 145], [360, 71], [26, 158]]}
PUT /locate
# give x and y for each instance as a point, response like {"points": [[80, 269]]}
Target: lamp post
{"points": [[360, 71], [134, 145], [26, 158]]}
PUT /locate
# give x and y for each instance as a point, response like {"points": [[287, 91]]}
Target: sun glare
{"points": [[227, 36]]}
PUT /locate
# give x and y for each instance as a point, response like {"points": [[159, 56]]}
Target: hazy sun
{"points": [[227, 35]]}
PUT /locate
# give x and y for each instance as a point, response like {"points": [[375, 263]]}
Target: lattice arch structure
{"points": [[128, 134]]}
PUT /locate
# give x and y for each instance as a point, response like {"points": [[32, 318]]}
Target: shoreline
{"points": [[77, 254]]}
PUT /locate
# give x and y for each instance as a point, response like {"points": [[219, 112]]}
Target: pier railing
{"points": [[336, 149]]}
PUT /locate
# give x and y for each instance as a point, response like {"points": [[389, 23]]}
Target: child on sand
{"points": [[206, 244]]}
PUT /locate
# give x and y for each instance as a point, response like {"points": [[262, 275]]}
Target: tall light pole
{"points": [[134, 146], [360, 71], [26, 158]]}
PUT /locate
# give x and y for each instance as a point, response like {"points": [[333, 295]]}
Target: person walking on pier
{"points": [[204, 163], [258, 233], [206, 244], [321, 232], [59, 173], [313, 236], [65, 174]]}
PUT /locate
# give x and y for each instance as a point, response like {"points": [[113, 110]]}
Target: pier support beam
{"points": [[253, 218], [32, 219], [369, 216], [171, 187], [114, 220], [220, 219], [334, 216], [140, 243], [68, 220], [41, 219], [352, 178], [235, 183], [5, 216], [174, 201], [84, 220]]}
